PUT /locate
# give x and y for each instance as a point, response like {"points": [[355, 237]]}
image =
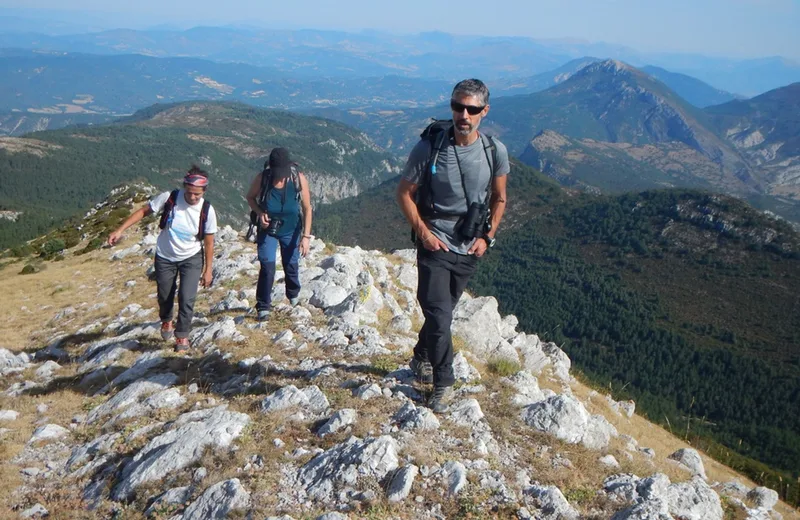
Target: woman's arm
{"points": [[305, 203], [135, 217]]}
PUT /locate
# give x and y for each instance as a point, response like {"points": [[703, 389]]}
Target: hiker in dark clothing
{"points": [[453, 193], [185, 248], [281, 201]]}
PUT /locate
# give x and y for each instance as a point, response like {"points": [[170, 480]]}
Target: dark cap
{"points": [[280, 162]]}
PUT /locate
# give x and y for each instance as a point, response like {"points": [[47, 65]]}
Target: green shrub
{"points": [[95, 243], [503, 367], [31, 268], [53, 246]]}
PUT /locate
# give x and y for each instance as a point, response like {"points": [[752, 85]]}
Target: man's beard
{"points": [[465, 130]]}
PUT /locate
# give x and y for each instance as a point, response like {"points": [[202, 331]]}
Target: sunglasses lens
{"points": [[471, 109]]}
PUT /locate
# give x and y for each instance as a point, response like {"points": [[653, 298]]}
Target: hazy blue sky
{"points": [[716, 27]]}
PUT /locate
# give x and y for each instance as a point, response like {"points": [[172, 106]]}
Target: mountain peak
{"points": [[610, 65]]}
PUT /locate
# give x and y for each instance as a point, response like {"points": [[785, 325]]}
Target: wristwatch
{"points": [[490, 241]]}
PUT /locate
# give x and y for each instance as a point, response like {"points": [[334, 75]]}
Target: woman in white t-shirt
{"points": [[184, 249]]}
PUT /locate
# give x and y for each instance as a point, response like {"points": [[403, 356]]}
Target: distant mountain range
{"points": [[432, 55], [48, 83], [612, 128], [691, 89], [48, 90]]}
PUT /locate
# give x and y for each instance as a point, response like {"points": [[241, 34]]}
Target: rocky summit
{"points": [[314, 413]]}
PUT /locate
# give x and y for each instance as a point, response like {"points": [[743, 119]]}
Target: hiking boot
{"points": [[262, 315], [294, 302], [422, 370], [167, 330], [439, 399], [181, 344]]}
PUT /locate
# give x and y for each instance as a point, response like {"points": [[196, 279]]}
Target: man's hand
{"points": [[114, 237], [432, 243], [263, 219], [478, 248], [206, 278], [305, 245]]}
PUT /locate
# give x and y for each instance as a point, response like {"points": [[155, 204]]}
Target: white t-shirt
{"points": [[178, 241]]}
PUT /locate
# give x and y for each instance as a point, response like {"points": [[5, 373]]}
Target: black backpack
{"points": [[169, 209], [438, 133], [266, 187]]}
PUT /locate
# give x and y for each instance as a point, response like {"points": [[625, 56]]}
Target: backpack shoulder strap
{"points": [[266, 185], [491, 158], [489, 144], [298, 186], [201, 225], [169, 207]]}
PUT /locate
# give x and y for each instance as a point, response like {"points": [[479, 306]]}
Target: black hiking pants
{"points": [[167, 273], [443, 276]]}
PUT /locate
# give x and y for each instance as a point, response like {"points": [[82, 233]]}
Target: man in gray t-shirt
{"points": [[467, 168]]}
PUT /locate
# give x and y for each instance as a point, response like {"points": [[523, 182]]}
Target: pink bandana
{"points": [[192, 179]]}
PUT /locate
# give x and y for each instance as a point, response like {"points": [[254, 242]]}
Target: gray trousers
{"points": [[167, 279], [443, 276]]}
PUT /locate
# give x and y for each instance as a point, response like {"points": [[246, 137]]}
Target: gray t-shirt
{"points": [[448, 191]]}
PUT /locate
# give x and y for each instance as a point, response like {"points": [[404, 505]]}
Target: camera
{"points": [[274, 227], [473, 225]]}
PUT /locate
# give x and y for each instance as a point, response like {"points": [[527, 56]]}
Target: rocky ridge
{"points": [[315, 414]]}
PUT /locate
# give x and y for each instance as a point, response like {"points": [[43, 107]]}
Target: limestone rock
{"points": [[565, 418], [184, 443], [230, 303], [47, 370], [456, 475], [694, 500], [48, 432], [646, 510], [690, 459], [338, 421], [218, 500], [8, 415], [37, 511], [608, 461], [119, 255], [734, 489], [411, 417], [346, 463], [367, 391], [463, 371], [327, 295], [527, 387], [174, 496], [219, 330], [170, 398], [551, 503], [400, 485], [477, 321], [763, 497], [10, 362], [145, 364], [466, 413], [132, 394], [310, 399], [559, 359], [532, 355]]}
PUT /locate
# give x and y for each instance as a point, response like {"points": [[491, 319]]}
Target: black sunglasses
{"points": [[472, 110]]}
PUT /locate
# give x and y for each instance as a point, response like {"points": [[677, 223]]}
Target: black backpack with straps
{"points": [[438, 134], [168, 212]]}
